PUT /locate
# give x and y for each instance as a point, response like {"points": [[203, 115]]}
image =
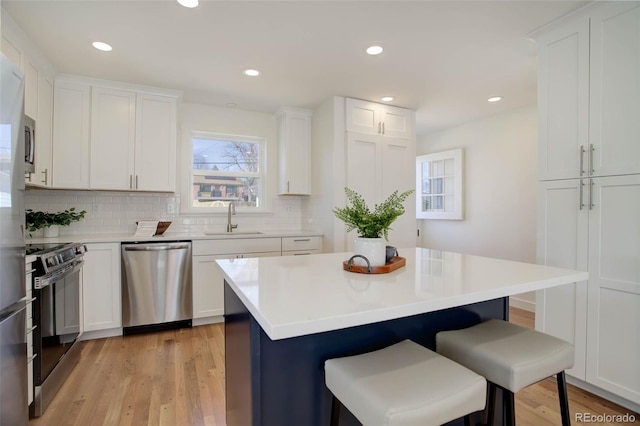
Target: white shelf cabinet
{"points": [[133, 140], [294, 137], [589, 194], [377, 165], [377, 119], [101, 290], [71, 115]]}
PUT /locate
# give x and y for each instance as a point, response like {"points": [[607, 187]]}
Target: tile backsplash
{"points": [[117, 212]]}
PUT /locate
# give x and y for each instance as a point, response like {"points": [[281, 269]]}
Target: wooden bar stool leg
{"points": [[468, 420], [335, 411], [564, 399]]}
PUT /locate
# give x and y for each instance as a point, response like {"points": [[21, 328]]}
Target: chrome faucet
{"points": [[232, 210]]}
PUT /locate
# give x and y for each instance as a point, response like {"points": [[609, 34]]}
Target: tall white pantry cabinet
{"points": [[589, 192]]}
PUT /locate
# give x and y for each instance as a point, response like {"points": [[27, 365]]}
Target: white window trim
{"points": [[187, 163], [457, 213]]}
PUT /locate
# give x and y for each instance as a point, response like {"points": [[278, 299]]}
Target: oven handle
{"points": [[45, 281]]}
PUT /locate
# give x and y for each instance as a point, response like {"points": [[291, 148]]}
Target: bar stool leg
{"points": [[335, 411], [564, 399], [491, 404], [468, 420], [510, 406]]}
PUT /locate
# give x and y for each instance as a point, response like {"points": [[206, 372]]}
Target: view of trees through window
{"points": [[226, 169]]}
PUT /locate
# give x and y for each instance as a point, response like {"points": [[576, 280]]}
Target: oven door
{"points": [[57, 315]]}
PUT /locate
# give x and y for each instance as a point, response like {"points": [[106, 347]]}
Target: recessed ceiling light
{"points": [[188, 3], [251, 73], [374, 50], [102, 46], [495, 99], [232, 105], [386, 98]]}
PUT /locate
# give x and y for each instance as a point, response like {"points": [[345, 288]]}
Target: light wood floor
{"points": [[176, 378]]}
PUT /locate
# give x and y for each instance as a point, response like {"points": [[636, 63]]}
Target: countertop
{"points": [[168, 236], [299, 295]]}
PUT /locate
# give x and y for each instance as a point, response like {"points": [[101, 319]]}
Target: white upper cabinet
{"points": [[44, 134], [155, 142], [71, 116], [615, 89], [294, 137], [589, 94], [377, 119], [113, 116]]}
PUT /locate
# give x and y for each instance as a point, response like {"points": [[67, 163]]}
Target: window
{"points": [[439, 185], [227, 168]]}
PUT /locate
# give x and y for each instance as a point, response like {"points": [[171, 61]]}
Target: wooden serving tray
{"points": [[393, 264]]}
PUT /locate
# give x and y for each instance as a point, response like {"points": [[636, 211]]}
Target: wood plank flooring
{"points": [[176, 378]]}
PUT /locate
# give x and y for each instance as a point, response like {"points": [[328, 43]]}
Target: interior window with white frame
{"points": [[227, 168], [439, 185]]}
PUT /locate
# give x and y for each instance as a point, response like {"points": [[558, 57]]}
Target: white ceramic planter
{"points": [[51, 231], [373, 249]]}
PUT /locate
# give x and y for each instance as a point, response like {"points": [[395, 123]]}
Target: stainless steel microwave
{"points": [[29, 144]]}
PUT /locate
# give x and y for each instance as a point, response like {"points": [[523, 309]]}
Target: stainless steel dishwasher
{"points": [[156, 286]]}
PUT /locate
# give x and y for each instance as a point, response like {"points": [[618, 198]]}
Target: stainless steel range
{"points": [[56, 317]]}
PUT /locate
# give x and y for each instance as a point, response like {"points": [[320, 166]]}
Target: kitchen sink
{"points": [[233, 233]]}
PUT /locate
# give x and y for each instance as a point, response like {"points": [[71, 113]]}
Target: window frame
{"points": [[457, 213], [187, 203]]}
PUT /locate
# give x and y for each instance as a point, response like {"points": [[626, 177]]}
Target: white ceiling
{"points": [[441, 58]]}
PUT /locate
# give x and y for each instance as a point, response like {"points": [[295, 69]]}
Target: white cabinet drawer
{"points": [[301, 252], [240, 245], [301, 243]]}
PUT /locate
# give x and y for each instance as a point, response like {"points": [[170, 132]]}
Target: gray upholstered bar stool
{"points": [[403, 384], [511, 357]]}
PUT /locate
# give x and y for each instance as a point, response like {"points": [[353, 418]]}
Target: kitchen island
{"points": [[285, 316]]}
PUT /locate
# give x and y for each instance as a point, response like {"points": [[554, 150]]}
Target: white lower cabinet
{"points": [[299, 246], [101, 300], [593, 224], [208, 282]]}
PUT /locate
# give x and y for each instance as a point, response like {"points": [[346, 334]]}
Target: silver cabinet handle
{"points": [[130, 181], [383, 128], [31, 358], [581, 202], [301, 240], [27, 175], [379, 126], [288, 190], [301, 254], [136, 181], [591, 149], [581, 160], [591, 205], [45, 172], [29, 330]]}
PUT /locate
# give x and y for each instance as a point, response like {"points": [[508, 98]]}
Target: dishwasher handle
{"points": [[155, 247]]}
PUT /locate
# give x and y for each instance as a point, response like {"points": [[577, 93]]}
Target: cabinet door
{"points": [[11, 51], [294, 133], [398, 173], [113, 116], [363, 117], [155, 146], [44, 133], [208, 286], [615, 89], [563, 101], [31, 88], [614, 286], [562, 242], [71, 135], [101, 300], [397, 122]]}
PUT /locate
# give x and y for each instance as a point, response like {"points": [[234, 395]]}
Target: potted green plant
{"points": [[50, 222], [371, 226]]}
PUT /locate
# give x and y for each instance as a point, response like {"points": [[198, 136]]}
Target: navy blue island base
{"points": [[281, 382]]}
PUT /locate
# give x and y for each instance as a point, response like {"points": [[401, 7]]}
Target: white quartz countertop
{"points": [[299, 295], [168, 236]]}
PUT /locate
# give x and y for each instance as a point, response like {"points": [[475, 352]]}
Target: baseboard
{"points": [[630, 405], [101, 334], [525, 305], [207, 320]]}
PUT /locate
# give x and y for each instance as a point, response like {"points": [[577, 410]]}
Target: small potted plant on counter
{"points": [[51, 221], [371, 226]]}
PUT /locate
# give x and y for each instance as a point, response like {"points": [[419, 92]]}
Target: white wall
{"points": [[500, 176]]}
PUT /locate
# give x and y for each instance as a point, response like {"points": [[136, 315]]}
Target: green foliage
{"points": [[371, 224], [39, 220]]}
